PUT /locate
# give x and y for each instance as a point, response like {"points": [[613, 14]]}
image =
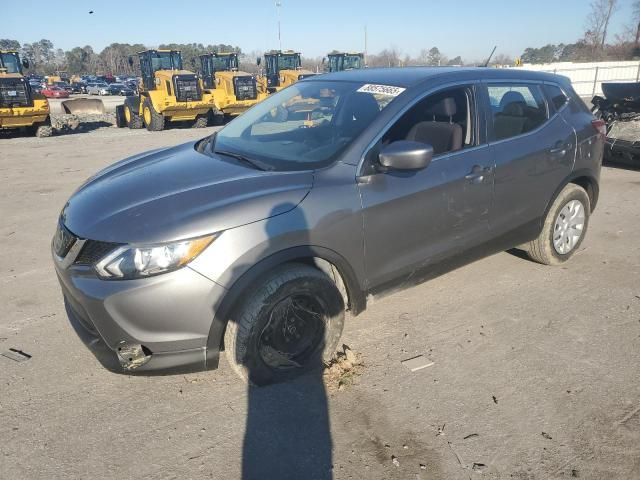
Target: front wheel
{"points": [[286, 325], [564, 227], [153, 120]]}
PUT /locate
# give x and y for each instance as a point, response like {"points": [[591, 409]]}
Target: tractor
{"points": [[281, 70], [166, 93], [233, 91], [19, 106], [340, 61]]}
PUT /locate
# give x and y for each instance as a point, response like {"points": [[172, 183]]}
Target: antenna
{"points": [[486, 64]]}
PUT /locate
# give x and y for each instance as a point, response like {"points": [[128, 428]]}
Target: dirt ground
{"points": [[535, 375]]}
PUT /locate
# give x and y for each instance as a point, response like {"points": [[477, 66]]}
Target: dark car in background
{"points": [[120, 89], [257, 239]]}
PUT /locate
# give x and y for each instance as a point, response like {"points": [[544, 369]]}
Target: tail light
{"points": [[600, 125]]}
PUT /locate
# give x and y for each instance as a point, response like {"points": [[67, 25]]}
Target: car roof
{"points": [[411, 76]]}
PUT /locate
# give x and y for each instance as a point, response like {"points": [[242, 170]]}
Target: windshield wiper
{"points": [[252, 162]]}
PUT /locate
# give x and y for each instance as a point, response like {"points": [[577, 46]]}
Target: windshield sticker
{"points": [[381, 89]]}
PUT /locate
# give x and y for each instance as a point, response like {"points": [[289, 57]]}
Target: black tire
{"points": [[216, 117], [314, 314], [121, 120], [155, 121], [135, 120], [201, 121], [542, 249]]}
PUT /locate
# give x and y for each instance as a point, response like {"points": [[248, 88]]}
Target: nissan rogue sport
{"points": [[257, 239]]}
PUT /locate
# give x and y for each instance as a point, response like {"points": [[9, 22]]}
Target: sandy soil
{"points": [[536, 370]]}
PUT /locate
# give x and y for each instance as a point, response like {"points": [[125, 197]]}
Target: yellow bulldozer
{"points": [[281, 69], [341, 61], [167, 93], [19, 106], [233, 91]]}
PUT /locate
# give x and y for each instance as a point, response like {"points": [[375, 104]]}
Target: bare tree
{"points": [[598, 20]]}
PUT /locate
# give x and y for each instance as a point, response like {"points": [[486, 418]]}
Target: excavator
{"points": [[281, 70], [19, 106], [233, 91]]}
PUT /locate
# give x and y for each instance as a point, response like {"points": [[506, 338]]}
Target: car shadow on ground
{"points": [[287, 433]]}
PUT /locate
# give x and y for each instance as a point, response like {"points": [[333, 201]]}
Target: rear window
{"points": [[516, 109], [557, 98]]}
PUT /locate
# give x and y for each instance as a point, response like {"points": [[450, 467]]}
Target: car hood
{"points": [[178, 193]]}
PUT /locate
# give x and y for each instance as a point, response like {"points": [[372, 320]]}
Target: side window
{"points": [[516, 109], [445, 120], [556, 97]]}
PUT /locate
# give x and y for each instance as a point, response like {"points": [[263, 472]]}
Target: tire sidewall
{"points": [[565, 197], [260, 305]]}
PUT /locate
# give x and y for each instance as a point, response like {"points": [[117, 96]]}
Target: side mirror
{"points": [[258, 61], [406, 155], [131, 61], [25, 63]]}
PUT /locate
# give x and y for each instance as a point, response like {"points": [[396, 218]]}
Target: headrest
{"points": [[514, 109], [444, 108], [511, 97]]}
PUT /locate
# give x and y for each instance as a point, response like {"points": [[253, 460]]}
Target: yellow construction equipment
{"points": [[281, 70], [166, 93], [340, 61], [233, 91], [19, 106]]}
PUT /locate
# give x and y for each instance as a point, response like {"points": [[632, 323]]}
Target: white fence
{"points": [[587, 78]]}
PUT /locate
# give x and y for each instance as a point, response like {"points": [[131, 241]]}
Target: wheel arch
{"points": [[326, 260], [583, 178]]}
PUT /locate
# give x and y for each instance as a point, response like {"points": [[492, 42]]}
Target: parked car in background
{"points": [[36, 86], [99, 88], [120, 89], [64, 85], [257, 239], [51, 91]]}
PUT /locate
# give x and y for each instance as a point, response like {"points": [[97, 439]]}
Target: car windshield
{"points": [[10, 61], [117, 85], [305, 126], [101, 85]]}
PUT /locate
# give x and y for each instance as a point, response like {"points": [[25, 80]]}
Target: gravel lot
{"points": [[536, 369]]}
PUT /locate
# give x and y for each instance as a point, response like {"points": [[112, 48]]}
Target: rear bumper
{"points": [[22, 117]]}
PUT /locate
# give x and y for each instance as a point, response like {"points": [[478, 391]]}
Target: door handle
{"points": [[560, 151], [477, 174]]}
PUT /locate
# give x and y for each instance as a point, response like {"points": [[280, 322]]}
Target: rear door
{"points": [[534, 150]]}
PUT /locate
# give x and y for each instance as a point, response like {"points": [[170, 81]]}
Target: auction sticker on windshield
{"points": [[381, 89]]}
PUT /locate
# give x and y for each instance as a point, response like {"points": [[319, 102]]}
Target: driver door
{"points": [[416, 218]]}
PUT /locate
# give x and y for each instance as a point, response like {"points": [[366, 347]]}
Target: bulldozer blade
{"points": [[90, 106]]}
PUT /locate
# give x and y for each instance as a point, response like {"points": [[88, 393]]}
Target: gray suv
{"points": [[257, 239]]}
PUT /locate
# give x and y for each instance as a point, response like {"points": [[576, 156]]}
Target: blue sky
{"points": [[469, 28]]}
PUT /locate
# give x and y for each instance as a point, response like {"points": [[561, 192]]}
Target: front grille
{"points": [[14, 92], [187, 88], [63, 240], [93, 251], [245, 88]]}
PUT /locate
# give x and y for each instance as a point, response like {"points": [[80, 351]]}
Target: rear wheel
{"points": [[132, 119], [288, 324], [121, 120], [564, 227], [153, 120], [216, 117]]}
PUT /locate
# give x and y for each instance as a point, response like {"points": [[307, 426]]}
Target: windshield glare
{"points": [[304, 126]]}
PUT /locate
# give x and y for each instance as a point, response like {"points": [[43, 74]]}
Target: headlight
{"points": [[130, 262]]}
